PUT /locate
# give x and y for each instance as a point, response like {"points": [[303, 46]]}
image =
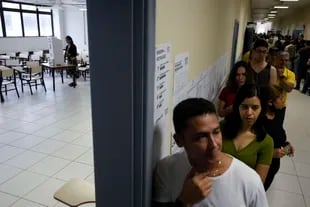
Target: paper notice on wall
{"points": [[181, 77], [162, 78], [161, 142]]}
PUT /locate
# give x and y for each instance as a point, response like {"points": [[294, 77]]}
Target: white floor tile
{"points": [[305, 186], [28, 128], [303, 169], [302, 156], [48, 131], [7, 200], [27, 142], [287, 183], [67, 136], [278, 198], [7, 172], [49, 166], [287, 166], [307, 199], [26, 203], [22, 183], [70, 152], [84, 140], [43, 194], [8, 152], [25, 159], [48, 146], [87, 158], [74, 170], [11, 136]]}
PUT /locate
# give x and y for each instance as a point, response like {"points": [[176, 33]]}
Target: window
{"points": [[45, 25], [1, 33], [29, 7], [30, 24], [25, 19], [13, 24], [10, 5]]}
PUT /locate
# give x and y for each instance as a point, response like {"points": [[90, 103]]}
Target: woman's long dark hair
{"points": [[231, 81], [233, 123]]}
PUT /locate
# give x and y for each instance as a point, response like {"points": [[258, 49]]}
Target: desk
{"points": [[58, 67]]}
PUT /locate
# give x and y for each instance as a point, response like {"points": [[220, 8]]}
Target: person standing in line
{"points": [[238, 76], [264, 74], [244, 135], [273, 124], [202, 175], [285, 79], [70, 56]]}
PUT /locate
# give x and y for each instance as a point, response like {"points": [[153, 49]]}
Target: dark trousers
{"points": [[273, 169]]}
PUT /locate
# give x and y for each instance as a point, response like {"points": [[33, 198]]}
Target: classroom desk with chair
{"points": [[60, 67]]}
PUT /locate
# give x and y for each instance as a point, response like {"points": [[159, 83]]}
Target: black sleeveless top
{"points": [[263, 77], [275, 129]]}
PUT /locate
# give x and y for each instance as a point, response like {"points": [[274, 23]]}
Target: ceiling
{"points": [[260, 8]]}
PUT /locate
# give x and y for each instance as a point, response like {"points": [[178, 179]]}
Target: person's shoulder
{"points": [[267, 140], [248, 174], [173, 159]]}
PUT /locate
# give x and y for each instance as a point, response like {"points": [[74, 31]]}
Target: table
{"points": [[60, 67]]}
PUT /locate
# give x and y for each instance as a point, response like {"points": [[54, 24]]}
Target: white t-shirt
{"points": [[238, 186]]}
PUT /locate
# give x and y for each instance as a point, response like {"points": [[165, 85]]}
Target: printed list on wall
{"points": [[161, 98]]}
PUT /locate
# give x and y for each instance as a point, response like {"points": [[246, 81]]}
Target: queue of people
{"points": [[234, 161]]}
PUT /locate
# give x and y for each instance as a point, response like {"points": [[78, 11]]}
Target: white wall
{"points": [[18, 44], [75, 25]]}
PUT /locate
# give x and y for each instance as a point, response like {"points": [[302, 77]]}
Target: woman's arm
{"points": [[262, 171], [221, 109]]}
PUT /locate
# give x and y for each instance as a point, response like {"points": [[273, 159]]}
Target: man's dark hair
{"points": [[190, 108], [260, 43], [233, 123]]}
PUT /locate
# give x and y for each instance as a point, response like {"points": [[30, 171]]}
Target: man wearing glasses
{"points": [[263, 73]]}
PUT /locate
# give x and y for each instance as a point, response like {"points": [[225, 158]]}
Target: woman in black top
{"points": [[273, 125], [70, 56]]}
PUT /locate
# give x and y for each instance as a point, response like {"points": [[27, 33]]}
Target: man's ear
{"points": [[178, 139]]}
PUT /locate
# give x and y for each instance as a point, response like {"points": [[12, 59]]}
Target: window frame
{"points": [[21, 11]]}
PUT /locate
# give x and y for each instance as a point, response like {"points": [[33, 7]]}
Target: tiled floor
{"points": [[45, 140]]}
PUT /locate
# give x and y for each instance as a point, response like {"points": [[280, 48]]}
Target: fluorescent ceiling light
{"points": [[271, 15], [289, 0], [273, 12], [280, 7], [83, 9]]}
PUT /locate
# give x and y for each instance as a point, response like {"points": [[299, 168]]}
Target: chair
{"points": [[32, 76], [7, 77], [76, 192], [83, 70]]}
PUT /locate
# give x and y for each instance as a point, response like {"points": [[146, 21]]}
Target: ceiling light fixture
{"points": [[273, 12], [290, 0], [280, 7], [271, 15]]}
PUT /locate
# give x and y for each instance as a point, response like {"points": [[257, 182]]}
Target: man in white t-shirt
{"points": [[203, 176]]}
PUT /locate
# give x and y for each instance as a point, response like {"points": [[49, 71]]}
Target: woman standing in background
{"points": [[70, 57]]}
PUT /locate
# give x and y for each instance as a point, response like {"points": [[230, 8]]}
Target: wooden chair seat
{"points": [[76, 192]]}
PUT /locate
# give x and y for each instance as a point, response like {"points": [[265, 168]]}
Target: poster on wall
{"points": [[181, 77], [161, 101]]}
